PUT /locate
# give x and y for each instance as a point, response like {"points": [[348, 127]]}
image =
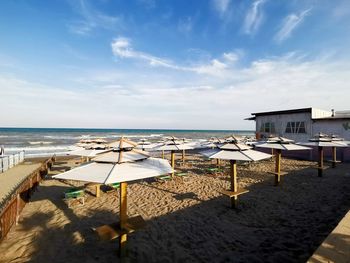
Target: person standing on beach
{"points": [[2, 151]]}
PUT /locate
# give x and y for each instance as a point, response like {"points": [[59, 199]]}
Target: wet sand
{"points": [[188, 220]]}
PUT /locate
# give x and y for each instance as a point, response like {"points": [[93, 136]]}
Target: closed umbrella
{"points": [[120, 165], [234, 152], [280, 144]]}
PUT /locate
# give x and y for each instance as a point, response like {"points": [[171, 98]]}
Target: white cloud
{"points": [[253, 17], [290, 23], [91, 19], [180, 99], [221, 6]]}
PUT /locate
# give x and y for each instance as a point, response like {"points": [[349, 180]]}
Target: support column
{"points": [[123, 219], [320, 161], [98, 190], [233, 179], [173, 162], [218, 163], [334, 150], [278, 167]]}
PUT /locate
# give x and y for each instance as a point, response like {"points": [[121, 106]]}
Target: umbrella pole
{"points": [[162, 154], [123, 219], [233, 177], [218, 163], [334, 150], [183, 157], [320, 161], [173, 162], [278, 167]]}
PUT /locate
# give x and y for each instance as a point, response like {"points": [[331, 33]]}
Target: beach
{"points": [[188, 219]]}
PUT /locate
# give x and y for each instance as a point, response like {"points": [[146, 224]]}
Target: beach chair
{"points": [[164, 177], [74, 194], [215, 170], [113, 187]]}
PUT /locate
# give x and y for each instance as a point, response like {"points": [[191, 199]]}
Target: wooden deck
{"points": [[13, 177], [336, 247]]}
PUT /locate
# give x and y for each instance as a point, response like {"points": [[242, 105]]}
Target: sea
{"points": [[39, 142]]}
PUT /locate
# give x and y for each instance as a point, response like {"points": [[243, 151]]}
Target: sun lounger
{"points": [[164, 177], [73, 194], [113, 187]]}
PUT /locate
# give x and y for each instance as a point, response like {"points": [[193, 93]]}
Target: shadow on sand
{"points": [[272, 224]]}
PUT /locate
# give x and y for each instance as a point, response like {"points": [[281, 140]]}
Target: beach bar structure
{"points": [[120, 165], [301, 124]]}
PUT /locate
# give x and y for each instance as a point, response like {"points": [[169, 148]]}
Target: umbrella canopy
{"points": [[96, 146], [86, 153], [236, 151], [122, 144], [108, 173], [117, 156], [280, 143]]}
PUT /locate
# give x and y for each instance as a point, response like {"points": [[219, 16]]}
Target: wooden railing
{"points": [[14, 205]]}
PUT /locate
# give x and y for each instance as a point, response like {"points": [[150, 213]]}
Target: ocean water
{"points": [[47, 141]]}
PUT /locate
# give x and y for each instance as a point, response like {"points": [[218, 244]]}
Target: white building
{"points": [[301, 124]]}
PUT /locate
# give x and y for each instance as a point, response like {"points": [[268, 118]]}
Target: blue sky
{"points": [[169, 64]]}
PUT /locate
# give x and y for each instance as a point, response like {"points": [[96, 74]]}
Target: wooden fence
{"points": [[9, 215], [8, 161]]}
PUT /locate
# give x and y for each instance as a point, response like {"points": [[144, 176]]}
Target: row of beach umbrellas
{"points": [[121, 162]]}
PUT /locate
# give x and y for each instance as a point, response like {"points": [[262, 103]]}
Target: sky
{"points": [[184, 64]]}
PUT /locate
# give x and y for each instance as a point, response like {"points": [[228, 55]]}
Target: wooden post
{"points": [[320, 161], [173, 162], [17, 208], [278, 167], [123, 219], [183, 157], [162, 154], [218, 163], [233, 178], [98, 190], [334, 150]]}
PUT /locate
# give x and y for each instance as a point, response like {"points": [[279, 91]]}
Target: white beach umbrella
{"points": [[235, 152], [122, 144], [321, 140], [174, 145], [126, 166], [86, 153], [279, 144]]}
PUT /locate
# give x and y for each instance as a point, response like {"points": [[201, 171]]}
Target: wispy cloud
{"points": [[221, 6], [290, 23], [91, 19], [122, 48], [253, 17]]}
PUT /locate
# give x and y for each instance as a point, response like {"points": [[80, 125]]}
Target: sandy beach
{"points": [[188, 220]]}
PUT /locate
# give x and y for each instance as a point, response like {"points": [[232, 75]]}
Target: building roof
{"points": [[315, 114], [302, 110]]}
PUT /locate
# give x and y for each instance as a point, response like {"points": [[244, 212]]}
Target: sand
{"points": [[188, 220]]}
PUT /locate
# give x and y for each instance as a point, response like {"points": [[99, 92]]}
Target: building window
{"points": [[296, 127], [268, 127]]}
